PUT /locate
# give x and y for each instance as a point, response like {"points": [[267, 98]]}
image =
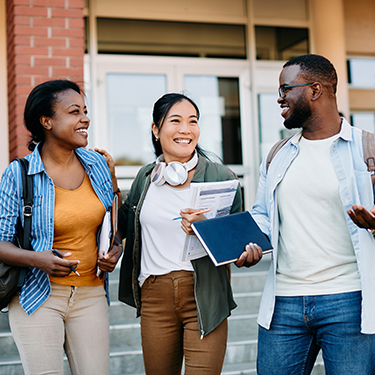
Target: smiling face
{"points": [[179, 133], [295, 105], [68, 127]]}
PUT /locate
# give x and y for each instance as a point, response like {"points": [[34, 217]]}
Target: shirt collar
{"points": [[345, 132], [35, 161], [36, 164]]}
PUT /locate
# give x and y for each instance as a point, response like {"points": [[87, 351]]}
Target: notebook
{"points": [[108, 230], [225, 238]]}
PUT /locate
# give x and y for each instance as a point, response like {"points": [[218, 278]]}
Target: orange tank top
{"points": [[78, 214]]}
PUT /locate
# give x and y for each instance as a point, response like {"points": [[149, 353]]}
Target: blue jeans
{"points": [[301, 326]]}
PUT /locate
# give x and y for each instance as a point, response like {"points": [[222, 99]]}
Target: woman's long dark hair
{"points": [[159, 113]]}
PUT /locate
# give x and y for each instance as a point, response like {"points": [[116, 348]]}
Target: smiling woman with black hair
{"points": [[183, 305], [56, 308]]}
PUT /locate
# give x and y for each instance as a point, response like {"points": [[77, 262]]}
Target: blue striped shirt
{"points": [[37, 288]]}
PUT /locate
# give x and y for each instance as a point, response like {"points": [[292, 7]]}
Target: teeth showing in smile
{"points": [[83, 131], [183, 141], [284, 110]]}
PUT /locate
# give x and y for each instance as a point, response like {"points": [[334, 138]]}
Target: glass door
{"points": [[129, 86]]}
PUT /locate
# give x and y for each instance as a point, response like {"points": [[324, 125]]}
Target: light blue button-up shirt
{"points": [[355, 187], [37, 288]]}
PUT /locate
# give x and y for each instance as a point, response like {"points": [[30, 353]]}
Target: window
{"points": [[161, 38], [130, 98], [271, 128], [364, 121], [218, 99], [361, 73], [280, 43]]}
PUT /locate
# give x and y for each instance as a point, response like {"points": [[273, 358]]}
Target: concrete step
{"points": [[7, 345], [124, 361], [241, 350], [242, 325], [239, 369], [4, 322], [247, 302], [119, 312]]}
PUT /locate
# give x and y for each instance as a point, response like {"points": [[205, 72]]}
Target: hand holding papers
{"points": [[216, 196], [195, 213], [108, 230]]}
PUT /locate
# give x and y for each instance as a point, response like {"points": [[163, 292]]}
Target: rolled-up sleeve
{"points": [[9, 205]]}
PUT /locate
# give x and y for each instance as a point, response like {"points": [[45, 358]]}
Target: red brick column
{"points": [[45, 41]]}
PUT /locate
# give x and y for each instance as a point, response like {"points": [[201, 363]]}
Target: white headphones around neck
{"points": [[175, 173]]}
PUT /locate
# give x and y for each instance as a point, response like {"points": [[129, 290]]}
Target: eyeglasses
{"points": [[284, 88]]}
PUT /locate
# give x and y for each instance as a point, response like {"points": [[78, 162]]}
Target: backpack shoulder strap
{"points": [[368, 144], [274, 150], [28, 201]]}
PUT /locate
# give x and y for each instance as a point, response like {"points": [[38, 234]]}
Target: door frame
{"points": [[175, 68]]}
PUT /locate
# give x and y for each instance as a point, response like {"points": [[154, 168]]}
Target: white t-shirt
{"points": [[315, 251], [162, 237]]}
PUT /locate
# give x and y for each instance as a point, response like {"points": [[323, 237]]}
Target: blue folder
{"points": [[225, 238]]}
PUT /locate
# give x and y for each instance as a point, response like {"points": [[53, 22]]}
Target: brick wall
{"points": [[45, 41]]}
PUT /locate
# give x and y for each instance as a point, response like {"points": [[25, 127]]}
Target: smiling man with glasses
{"points": [[315, 202], [283, 89]]}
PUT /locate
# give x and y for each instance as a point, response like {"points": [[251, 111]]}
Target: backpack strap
{"points": [[368, 144], [27, 210], [274, 150]]}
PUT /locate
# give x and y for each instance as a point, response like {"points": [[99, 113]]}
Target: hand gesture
{"points": [[362, 217], [109, 160]]}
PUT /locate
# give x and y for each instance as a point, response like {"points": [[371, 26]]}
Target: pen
{"points": [[195, 213], [60, 256]]}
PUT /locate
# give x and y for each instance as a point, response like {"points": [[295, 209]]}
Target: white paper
{"points": [[218, 197], [105, 236]]}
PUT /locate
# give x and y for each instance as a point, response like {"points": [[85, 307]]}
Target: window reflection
{"points": [[220, 122], [130, 98], [280, 43], [271, 124]]}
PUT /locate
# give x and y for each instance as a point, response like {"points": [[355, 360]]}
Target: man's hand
{"points": [[251, 256], [362, 217]]}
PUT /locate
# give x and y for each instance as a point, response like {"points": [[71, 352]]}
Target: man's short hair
{"points": [[316, 68]]}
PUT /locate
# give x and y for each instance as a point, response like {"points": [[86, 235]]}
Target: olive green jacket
{"points": [[213, 293]]}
